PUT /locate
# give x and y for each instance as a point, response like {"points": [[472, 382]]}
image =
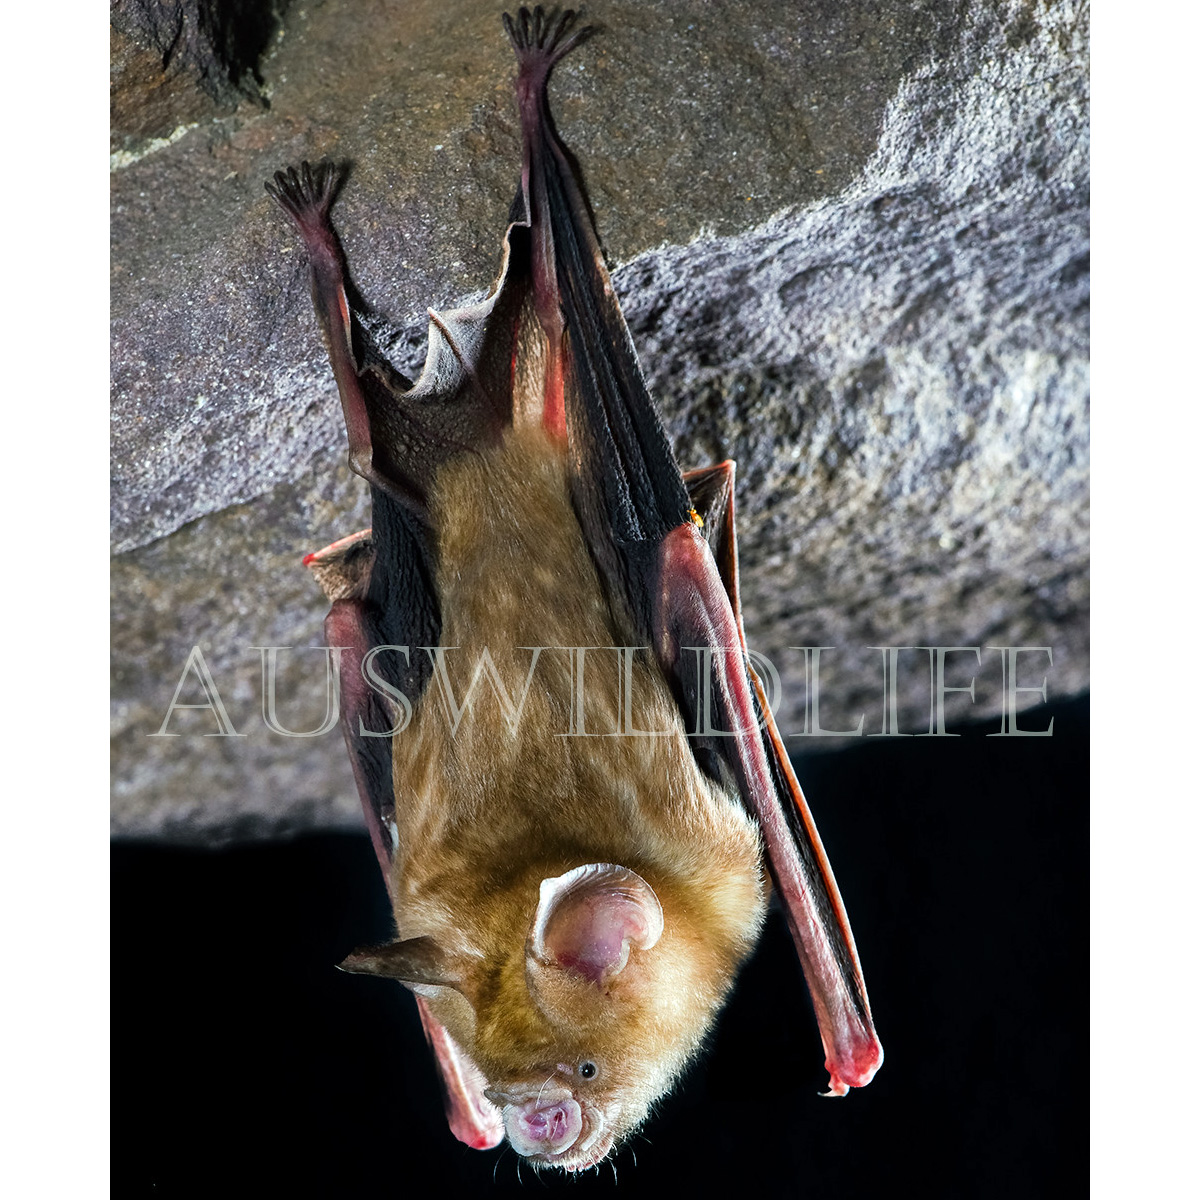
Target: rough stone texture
{"points": [[853, 247], [177, 62]]}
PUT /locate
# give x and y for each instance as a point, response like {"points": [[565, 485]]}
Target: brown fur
{"points": [[485, 814]]}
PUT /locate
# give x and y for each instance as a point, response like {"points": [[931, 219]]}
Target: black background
{"points": [[245, 1064]]}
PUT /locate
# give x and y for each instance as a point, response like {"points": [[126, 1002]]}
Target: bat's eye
{"points": [[588, 1070]]}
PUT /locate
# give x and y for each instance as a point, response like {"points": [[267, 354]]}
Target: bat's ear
{"points": [[415, 963], [587, 922]]}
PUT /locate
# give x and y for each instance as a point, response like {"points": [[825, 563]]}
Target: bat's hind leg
{"points": [[306, 195], [539, 41]]}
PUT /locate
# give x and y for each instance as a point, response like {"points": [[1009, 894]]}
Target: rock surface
{"points": [[175, 63], [852, 244]]}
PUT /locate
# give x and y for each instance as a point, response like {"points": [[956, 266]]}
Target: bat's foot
{"points": [[306, 195], [540, 40]]}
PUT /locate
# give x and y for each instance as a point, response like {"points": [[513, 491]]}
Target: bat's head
{"points": [[581, 1030], [576, 1061]]}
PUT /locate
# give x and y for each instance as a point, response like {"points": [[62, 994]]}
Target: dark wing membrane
{"points": [[643, 529], [383, 610], [625, 483], [463, 399]]}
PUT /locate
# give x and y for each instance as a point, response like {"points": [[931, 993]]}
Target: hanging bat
{"points": [[577, 869]]}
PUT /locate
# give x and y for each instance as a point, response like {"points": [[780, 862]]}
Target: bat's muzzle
{"points": [[544, 1128]]}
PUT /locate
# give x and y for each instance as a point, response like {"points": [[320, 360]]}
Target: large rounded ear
{"points": [[588, 920], [418, 962]]}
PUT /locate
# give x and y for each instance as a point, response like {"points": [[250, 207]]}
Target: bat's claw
{"points": [[306, 194], [540, 40]]}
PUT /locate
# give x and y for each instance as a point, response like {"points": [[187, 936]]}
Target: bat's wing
{"points": [[644, 530], [380, 581]]}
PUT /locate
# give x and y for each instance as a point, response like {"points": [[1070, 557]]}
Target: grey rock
{"points": [[851, 241]]}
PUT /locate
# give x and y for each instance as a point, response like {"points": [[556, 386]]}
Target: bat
{"points": [[578, 867]]}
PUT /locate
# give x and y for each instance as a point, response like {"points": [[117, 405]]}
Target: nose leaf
{"points": [[540, 1129]]}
